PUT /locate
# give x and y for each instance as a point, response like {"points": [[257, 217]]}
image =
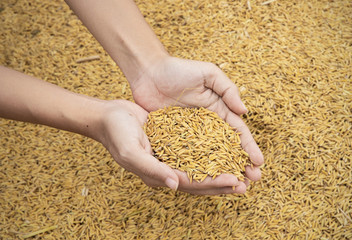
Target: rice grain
{"points": [[197, 141]]}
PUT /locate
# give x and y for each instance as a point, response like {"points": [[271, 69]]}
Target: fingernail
{"points": [[244, 107], [171, 183]]}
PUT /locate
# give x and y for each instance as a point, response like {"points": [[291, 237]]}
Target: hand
{"points": [[158, 80], [187, 83], [123, 136], [116, 124]]}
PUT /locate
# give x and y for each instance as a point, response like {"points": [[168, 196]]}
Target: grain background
{"points": [[292, 61]]}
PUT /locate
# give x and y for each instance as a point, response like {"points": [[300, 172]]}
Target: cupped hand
{"points": [[122, 134], [188, 83]]}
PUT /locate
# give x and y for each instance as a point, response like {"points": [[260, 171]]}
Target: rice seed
{"points": [[201, 152], [87, 59], [32, 234]]}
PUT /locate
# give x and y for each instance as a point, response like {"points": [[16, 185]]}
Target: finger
{"points": [[225, 88], [247, 141], [152, 171], [146, 144], [223, 180], [253, 173], [222, 184], [246, 181], [240, 189]]}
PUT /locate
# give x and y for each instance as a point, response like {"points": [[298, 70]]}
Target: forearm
{"points": [[25, 98], [121, 29]]}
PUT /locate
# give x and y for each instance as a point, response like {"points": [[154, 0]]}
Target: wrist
{"points": [[136, 59], [122, 30], [84, 116]]}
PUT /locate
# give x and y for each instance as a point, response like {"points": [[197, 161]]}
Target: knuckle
{"points": [[149, 173], [213, 68], [150, 183]]}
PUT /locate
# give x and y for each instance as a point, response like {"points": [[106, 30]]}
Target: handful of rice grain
{"points": [[196, 141]]}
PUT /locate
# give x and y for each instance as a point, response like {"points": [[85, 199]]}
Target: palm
{"points": [[190, 83], [183, 82], [129, 146]]}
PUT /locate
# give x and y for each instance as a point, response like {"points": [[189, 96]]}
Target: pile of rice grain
{"points": [[291, 61], [197, 141]]}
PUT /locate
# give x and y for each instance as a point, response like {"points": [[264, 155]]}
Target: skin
{"points": [[156, 80], [116, 124]]}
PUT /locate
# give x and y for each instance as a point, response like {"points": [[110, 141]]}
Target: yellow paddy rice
{"points": [[292, 62], [197, 141]]}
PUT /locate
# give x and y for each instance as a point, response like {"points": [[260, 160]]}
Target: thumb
{"points": [[153, 172], [226, 89]]}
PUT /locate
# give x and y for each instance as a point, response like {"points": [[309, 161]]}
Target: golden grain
{"points": [[292, 63], [201, 152]]}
